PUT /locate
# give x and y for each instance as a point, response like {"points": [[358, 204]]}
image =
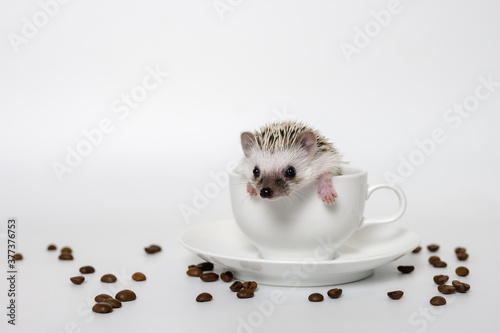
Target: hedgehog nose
{"points": [[266, 192]]}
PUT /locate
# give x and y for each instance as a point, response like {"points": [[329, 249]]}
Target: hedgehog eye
{"points": [[256, 172], [290, 172]]}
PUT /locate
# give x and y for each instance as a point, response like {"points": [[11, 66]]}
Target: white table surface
{"points": [[47, 301]]}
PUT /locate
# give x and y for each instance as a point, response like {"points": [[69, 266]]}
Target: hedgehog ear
{"points": [[247, 143], [307, 141]]}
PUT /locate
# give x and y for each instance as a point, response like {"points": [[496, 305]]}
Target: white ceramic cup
{"points": [[302, 226]]}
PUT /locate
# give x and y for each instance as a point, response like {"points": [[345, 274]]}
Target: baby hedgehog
{"points": [[282, 157]]}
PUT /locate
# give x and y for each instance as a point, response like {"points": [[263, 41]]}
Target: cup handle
{"points": [[401, 209]]}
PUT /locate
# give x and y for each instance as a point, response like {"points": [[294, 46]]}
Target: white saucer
{"points": [[223, 244]]}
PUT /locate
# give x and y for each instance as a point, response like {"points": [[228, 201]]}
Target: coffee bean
{"points": [[101, 297], [433, 247], [152, 249], [252, 285], [417, 249], [462, 271], [245, 293], [113, 302], [461, 253], [438, 300], [334, 293], [18, 256], [316, 297], [205, 266], [66, 256], [439, 263], [406, 269], [51, 247], [237, 285], [108, 278], [227, 276], [138, 277], [125, 295], [87, 269], [446, 289], [441, 279], [204, 297], [194, 271], [433, 258], [66, 250], [102, 308], [461, 287], [209, 277], [397, 294], [77, 279]]}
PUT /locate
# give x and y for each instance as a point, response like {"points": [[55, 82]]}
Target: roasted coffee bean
{"points": [[102, 297], [406, 269], [102, 308], [152, 249], [125, 295], [462, 271], [113, 302], [204, 297], [87, 269], [227, 276], [108, 278], [66, 256], [205, 266], [397, 294], [334, 293], [237, 285], [446, 289], [18, 256], [77, 279], [438, 300], [51, 247], [441, 279], [245, 293], [433, 258], [138, 277], [417, 249], [316, 297], [461, 253], [252, 285], [439, 263], [433, 247], [461, 287], [194, 271], [209, 277], [66, 250]]}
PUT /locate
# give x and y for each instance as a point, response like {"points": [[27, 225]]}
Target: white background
{"points": [[231, 71]]}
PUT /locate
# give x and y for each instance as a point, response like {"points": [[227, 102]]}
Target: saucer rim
{"points": [[336, 261]]}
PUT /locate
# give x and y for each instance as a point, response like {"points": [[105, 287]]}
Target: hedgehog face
{"points": [[277, 173]]}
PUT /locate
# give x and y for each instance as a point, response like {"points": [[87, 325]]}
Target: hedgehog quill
{"points": [[280, 158]]}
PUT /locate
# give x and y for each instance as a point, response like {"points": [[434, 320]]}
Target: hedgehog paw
{"points": [[328, 196], [251, 190], [327, 192]]}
